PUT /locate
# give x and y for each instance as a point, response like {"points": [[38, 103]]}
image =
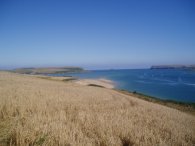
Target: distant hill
{"points": [[173, 67], [48, 70]]}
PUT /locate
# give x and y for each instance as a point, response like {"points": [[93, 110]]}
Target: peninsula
{"points": [[48, 70], [173, 67]]}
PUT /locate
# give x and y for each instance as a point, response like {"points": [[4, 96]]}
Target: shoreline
{"points": [[182, 106], [109, 84], [104, 83], [61, 108]]}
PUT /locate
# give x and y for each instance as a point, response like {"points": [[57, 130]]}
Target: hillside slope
{"points": [[35, 111]]}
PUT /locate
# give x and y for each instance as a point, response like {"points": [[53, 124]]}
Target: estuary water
{"points": [[169, 84]]}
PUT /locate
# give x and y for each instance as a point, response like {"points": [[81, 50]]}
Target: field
{"points": [[40, 111]]}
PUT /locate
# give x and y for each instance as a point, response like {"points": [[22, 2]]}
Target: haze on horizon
{"points": [[96, 34]]}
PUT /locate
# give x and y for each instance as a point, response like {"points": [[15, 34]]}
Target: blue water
{"points": [[177, 85]]}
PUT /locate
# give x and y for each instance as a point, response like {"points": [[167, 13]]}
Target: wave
{"points": [[190, 84], [167, 82], [145, 82]]}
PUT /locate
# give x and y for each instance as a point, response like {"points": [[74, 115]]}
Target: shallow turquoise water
{"points": [[177, 85]]}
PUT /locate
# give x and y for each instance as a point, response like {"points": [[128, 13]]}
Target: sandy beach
{"points": [[98, 82], [37, 110], [85, 82]]}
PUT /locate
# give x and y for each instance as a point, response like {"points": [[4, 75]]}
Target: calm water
{"points": [[178, 85]]}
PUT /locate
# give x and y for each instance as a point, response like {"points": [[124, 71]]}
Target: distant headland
{"points": [[48, 70], [173, 67]]}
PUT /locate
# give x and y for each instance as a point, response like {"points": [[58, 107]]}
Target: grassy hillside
{"points": [[35, 111], [48, 70], [185, 107]]}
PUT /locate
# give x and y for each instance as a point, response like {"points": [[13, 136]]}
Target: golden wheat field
{"points": [[35, 111]]}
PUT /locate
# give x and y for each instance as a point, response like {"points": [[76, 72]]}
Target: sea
{"points": [[167, 84]]}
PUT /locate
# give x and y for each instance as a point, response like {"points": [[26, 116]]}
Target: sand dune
{"points": [[36, 111]]}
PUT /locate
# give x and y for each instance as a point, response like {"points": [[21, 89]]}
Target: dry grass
{"points": [[36, 111], [184, 107]]}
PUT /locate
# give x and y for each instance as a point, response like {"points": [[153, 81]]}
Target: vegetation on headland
{"points": [[182, 106], [48, 70]]}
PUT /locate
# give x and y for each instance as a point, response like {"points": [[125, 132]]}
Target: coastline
{"points": [[102, 82], [96, 82], [182, 106], [109, 84], [48, 109]]}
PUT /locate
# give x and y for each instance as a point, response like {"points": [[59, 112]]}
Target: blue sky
{"points": [[96, 34]]}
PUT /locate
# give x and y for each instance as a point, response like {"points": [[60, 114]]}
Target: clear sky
{"points": [[96, 33]]}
